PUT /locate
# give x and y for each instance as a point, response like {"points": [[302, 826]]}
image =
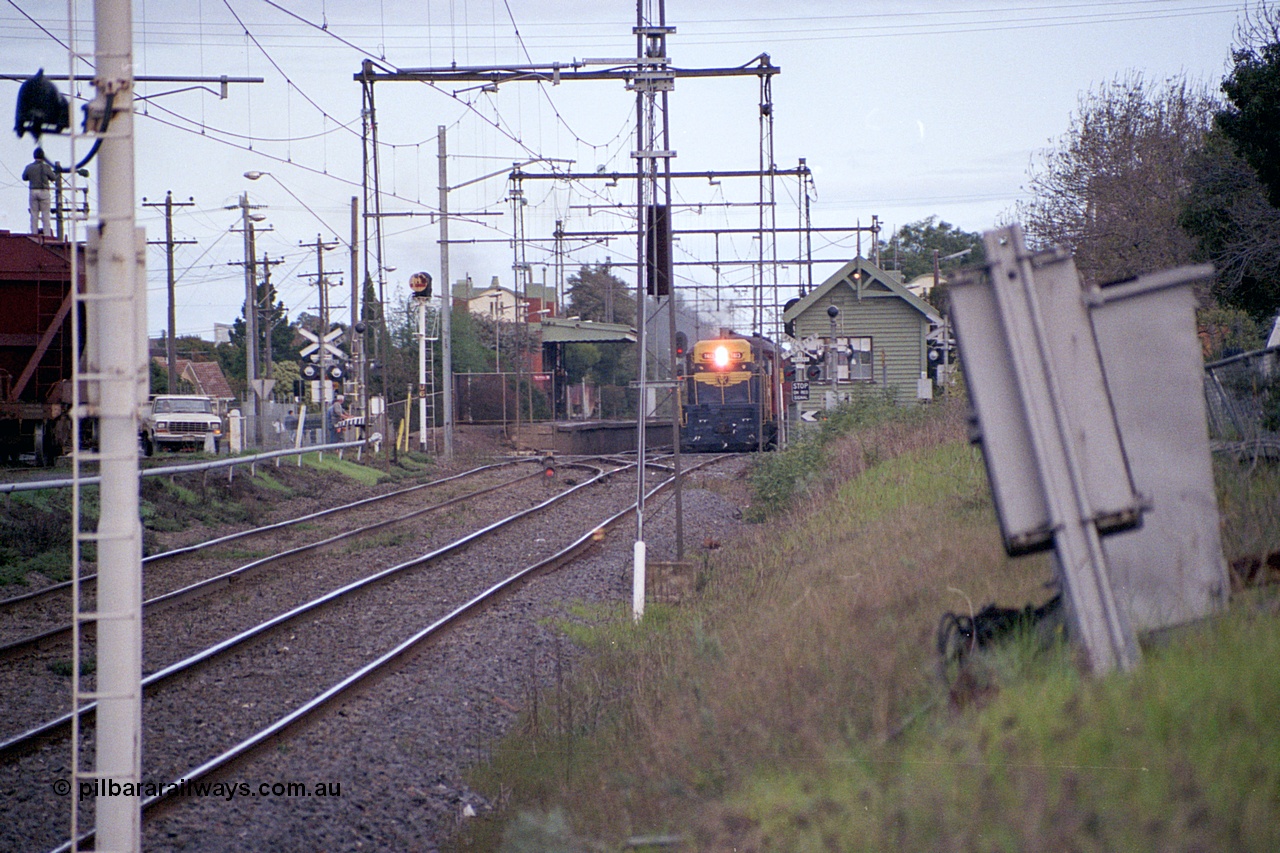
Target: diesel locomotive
{"points": [[730, 403]]}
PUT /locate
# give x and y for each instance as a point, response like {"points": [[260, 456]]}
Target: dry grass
{"points": [[795, 704]]}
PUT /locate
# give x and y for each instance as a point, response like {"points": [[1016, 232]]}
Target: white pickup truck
{"points": [[178, 421]]}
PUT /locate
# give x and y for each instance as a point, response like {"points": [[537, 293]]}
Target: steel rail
{"points": [[256, 531], [24, 742], [9, 650], [565, 555]]}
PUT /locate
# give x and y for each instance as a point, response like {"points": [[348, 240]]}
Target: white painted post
{"points": [[422, 374], [637, 582], [122, 366], [235, 431], [446, 305]]}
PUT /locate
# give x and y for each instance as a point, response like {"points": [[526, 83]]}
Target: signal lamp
{"points": [[420, 283], [41, 108]]}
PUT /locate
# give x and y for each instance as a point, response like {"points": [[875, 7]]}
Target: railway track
{"points": [[19, 612], [171, 584], [182, 623], [253, 662]]}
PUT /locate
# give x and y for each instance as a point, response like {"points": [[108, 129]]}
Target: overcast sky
{"points": [[902, 109]]}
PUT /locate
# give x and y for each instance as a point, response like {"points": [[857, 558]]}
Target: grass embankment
{"points": [[795, 705], [35, 529]]}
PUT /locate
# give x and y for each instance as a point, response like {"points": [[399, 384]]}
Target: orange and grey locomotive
{"points": [[729, 399]]}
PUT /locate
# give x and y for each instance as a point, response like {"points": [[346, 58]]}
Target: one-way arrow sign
{"points": [[809, 416]]}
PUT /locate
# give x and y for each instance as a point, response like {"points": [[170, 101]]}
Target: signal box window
{"points": [[861, 362]]}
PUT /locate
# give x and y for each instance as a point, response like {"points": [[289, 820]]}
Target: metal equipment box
{"points": [[1171, 570]]}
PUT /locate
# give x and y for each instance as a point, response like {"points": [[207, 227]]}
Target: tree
{"points": [[469, 354], [273, 330], [914, 247], [1231, 209], [1236, 228], [596, 294], [911, 249], [1252, 116], [1113, 188]]}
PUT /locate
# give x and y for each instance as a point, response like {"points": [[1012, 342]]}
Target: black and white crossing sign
{"points": [[329, 346], [799, 391]]}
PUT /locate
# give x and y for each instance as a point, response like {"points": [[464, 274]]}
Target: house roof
{"points": [[490, 291], [873, 279], [206, 376]]}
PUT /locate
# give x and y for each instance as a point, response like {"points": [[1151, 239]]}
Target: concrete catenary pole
{"points": [[119, 306], [446, 304], [357, 339]]}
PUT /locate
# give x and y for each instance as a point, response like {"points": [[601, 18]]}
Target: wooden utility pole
{"points": [[322, 285], [171, 344], [264, 305], [247, 221]]}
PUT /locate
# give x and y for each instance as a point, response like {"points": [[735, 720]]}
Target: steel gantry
{"points": [[652, 76]]}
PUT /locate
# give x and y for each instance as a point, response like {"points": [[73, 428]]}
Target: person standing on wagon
{"points": [[40, 175]]}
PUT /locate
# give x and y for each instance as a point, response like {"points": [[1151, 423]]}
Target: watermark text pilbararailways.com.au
{"points": [[228, 791]]}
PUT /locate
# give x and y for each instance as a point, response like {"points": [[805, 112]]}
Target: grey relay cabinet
{"points": [[1092, 424]]}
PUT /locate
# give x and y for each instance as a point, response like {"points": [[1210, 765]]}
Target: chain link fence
{"points": [[1243, 395]]}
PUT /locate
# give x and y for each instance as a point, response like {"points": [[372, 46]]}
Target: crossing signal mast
{"points": [[654, 81]]}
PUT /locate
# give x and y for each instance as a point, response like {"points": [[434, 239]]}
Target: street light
{"points": [[254, 175]]}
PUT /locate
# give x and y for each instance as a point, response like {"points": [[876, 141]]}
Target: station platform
{"points": [[575, 438]]}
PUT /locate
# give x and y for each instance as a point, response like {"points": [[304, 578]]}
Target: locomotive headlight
{"points": [[721, 357]]}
